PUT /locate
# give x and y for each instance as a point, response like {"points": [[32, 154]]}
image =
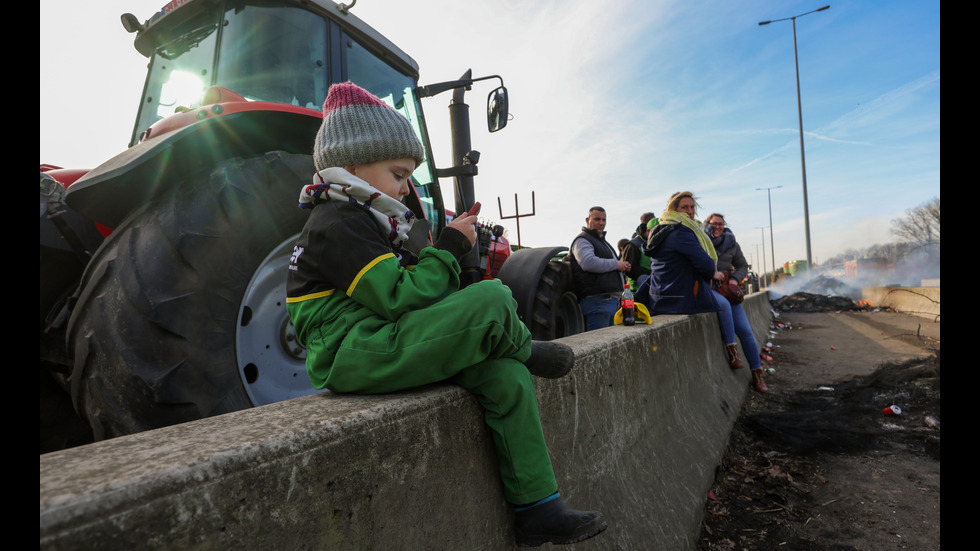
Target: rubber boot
{"points": [[734, 361], [550, 360], [757, 381], [554, 522]]}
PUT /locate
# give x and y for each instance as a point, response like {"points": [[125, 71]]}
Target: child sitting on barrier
{"points": [[376, 318]]}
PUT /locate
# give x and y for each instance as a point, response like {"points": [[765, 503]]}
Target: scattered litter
{"points": [[781, 445], [931, 421], [832, 347], [771, 370], [711, 495], [892, 410]]}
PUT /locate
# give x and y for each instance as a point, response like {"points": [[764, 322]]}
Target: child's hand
{"points": [[464, 224]]}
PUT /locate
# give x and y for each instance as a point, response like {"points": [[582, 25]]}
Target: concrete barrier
{"points": [[636, 431], [920, 301]]}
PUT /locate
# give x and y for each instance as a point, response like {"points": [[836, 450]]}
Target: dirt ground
{"points": [[815, 464]]}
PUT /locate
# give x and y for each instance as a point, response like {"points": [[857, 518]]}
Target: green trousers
{"points": [[473, 338]]}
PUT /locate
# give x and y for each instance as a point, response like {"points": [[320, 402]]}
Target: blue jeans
{"points": [[733, 321], [599, 311]]}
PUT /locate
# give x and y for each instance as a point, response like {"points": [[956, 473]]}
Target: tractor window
{"points": [[179, 71], [274, 54], [265, 54], [397, 90]]}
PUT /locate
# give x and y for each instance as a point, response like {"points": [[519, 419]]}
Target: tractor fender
{"points": [[67, 241], [541, 286], [109, 192]]}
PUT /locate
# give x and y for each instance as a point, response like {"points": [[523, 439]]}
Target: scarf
{"points": [[673, 217], [724, 241], [393, 217]]}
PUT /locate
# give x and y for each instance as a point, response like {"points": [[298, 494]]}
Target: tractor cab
{"points": [[211, 59]]}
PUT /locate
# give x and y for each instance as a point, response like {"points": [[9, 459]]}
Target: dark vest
{"points": [[590, 283]]}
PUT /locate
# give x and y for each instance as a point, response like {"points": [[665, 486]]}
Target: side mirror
{"points": [[497, 110], [130, 23]]}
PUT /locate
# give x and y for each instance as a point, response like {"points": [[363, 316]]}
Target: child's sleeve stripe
{"points": [[364, 270], [311, 296]]}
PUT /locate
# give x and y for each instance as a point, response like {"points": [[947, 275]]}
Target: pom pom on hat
{"points": [[358, 128]]}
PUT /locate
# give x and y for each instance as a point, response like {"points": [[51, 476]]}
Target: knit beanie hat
{"points": [[358, 128]]}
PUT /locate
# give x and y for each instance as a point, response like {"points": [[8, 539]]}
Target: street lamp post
{"points": [[772, 246], [799, 111]]}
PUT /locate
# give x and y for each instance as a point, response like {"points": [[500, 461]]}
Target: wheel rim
{"points": [[271, 362]]}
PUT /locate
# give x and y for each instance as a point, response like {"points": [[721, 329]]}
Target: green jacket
{"points": [[346, 281]]}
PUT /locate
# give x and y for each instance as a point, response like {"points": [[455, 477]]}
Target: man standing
{"points": [[596, 273]]}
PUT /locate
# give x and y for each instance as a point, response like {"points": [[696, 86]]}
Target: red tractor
{"points": [[163, 269]]}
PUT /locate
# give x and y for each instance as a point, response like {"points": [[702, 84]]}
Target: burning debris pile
{"points": [[824, 285], [814, 283], [809, 302]]}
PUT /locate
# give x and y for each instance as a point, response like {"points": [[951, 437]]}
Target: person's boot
{"points": [[758, 382], [554, 522], [734, 361], [550, 360]]}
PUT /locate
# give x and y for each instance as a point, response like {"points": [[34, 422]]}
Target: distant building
{"points": [[866, 268]]}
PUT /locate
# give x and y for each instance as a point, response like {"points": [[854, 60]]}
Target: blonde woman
{"points": [[682, 261]]}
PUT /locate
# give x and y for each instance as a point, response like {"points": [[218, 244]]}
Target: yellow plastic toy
{"points": [[642, 315]]}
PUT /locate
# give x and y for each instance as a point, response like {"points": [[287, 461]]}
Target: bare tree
{"points": [[920, 225]]}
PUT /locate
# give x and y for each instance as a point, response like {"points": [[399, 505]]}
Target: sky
{"points": [[617, 104]]}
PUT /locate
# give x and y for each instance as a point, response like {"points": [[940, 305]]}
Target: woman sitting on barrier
{"points": [[682, 262], [731, 316]]}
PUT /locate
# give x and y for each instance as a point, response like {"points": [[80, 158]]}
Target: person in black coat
{"points": [[731, 317]]}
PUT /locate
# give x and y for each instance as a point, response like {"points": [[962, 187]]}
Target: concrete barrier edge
{"points": [[636, 431]]}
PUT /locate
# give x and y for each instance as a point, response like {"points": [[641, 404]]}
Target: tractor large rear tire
{"points": [[556, 311], [165, 300], [541, 285]]}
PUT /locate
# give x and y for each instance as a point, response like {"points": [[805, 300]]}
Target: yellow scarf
{"points": [[674, 217]]}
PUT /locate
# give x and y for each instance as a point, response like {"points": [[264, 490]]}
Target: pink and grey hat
{"points": [[358, 128]]}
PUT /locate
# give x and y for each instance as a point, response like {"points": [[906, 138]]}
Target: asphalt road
{"points": [[834, 345]]}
